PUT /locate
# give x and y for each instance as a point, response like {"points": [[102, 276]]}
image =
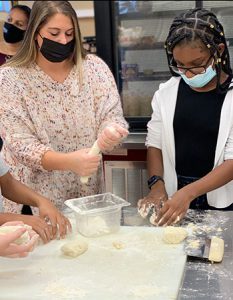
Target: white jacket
{"points": [[161, 135]]}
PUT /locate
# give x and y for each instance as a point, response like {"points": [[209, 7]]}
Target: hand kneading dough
{"points": [[216, 249], [23, 239], [74, 248], [174, 235]]}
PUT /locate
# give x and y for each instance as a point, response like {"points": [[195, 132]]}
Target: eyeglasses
{"points": [[193, 70]]}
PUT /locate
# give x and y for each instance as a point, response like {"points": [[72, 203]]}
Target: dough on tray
{"points": [[23, 239], [174, 235], [74, 248]]}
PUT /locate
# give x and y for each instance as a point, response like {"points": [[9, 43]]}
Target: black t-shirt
{"points": [[196, 124]]}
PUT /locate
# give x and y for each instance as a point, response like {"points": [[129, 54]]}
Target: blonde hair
{"points": [[41, 12]]}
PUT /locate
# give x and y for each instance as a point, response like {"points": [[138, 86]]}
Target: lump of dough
{"points": [[216, 249], [118, 245], [23, 239], [153, 218], [74, 248], [174, 235]]}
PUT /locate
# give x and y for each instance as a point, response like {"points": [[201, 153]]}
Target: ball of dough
{"points": [[74, 248], [174, 235], [23, 239]]}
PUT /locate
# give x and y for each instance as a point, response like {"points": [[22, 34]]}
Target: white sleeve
{"points": [[154, 125], [228, 151]]}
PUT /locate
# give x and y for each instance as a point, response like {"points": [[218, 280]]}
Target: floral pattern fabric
{"points": [[40, 114]]}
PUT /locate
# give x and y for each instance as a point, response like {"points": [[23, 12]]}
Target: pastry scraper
{"points": [[207, 249]]}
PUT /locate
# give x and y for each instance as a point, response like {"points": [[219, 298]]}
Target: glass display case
{"points": [[130, 37], [141, 63]]}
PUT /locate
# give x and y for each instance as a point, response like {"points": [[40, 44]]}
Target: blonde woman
{"points": [[55, 102]]}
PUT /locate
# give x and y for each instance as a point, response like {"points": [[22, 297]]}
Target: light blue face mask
{"points": [[200, 80]]}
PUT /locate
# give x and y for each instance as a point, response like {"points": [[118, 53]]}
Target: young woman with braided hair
{"points": [[190, 135]]}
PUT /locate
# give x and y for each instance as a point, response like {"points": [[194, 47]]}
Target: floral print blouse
{"points": [[38, 114]]}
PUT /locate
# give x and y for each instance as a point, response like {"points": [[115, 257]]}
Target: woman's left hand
{"points": [[174, 209], [59, 223], [111, 136]]}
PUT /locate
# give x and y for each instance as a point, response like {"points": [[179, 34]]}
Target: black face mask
{"points": [[12, 34], [56, 52]]}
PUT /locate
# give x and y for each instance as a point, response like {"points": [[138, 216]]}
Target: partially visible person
{"points": [[9, 247], [55, 101], [190, 135], [13, 32], [49, 224]]}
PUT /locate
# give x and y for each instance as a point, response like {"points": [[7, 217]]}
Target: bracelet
{"points": [[153, 179]]}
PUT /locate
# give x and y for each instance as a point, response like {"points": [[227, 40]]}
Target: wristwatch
{"points": [[153, 179]]}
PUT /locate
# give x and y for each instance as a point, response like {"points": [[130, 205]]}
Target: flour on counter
{"points": [[64, 292], [144, 291], [193, 244]]}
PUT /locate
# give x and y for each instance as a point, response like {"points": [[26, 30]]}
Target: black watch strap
{"points": [[153, 179]]}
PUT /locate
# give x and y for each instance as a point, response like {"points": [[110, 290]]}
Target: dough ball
{"points": [[153, 219], [74, 248], [23, 239], [144, 210], [118, 245], [174, 235]]}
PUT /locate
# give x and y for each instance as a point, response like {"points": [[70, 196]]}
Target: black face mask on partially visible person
{"points": [[12, 34], [56, 52]]}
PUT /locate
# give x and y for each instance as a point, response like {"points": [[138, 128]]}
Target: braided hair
{"points": [[200, 24]]}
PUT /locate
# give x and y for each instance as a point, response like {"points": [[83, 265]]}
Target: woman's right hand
{"points": [[154, 200], [83, 163]]}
